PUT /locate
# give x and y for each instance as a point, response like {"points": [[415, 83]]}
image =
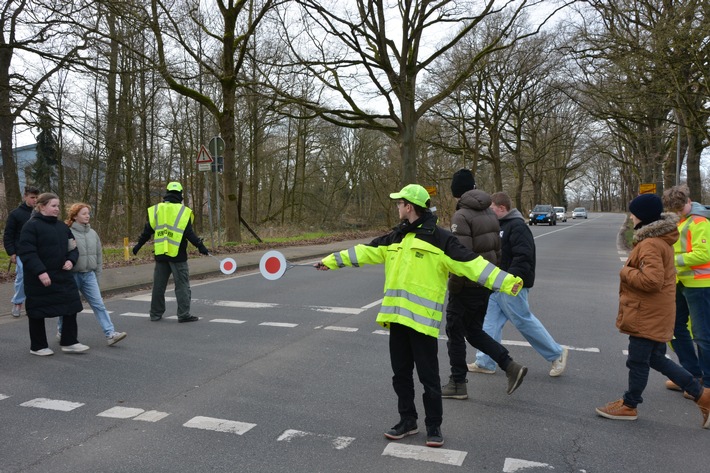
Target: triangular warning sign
{"points": [[204, 157]]}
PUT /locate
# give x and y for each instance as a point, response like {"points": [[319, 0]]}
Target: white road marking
{"points": [[89, 311], [238, 304], [372, 304], [255, 305], [338, 443], [526, 344], [228, 321], [340, 329], [3, 396], [120, 412], [622, 258], [52, 404], [381, 332], [512, 465], [336, 310], [415, 452], [279, 324], [219, 425], [152, 416], [135, 314]]}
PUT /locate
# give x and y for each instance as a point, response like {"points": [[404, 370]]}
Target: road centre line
{"points": [[254, 305], [279, 324], [228, 321], [415, 452], [3, 396]]}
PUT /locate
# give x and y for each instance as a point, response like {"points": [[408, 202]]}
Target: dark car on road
{"points": [[543, 214]]}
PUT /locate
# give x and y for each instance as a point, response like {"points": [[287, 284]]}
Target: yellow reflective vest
{"points": [[417, 262], [692, 250], [169, 221]]}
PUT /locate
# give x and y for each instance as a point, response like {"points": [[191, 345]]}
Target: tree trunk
{"points": [[7, 122]]}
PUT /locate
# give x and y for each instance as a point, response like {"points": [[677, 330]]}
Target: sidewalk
{"points": [[129, 278]]}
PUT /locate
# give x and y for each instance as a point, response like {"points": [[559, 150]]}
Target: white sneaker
{"points": [[559, 365], [474, 368], [42, 352], [115, 337], [76, 348], [59, 336], [16, 310]]}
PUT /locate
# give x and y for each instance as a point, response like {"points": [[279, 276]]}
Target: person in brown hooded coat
{"points": [[647, 309]]}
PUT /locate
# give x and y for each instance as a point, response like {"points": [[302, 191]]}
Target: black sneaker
{"points": [[191, 318], [434, 437], [405, 427], [515, 373]]}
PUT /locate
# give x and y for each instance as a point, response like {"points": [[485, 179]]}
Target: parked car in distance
{"points": [[579, 212], [543, 214], [561, 214]]}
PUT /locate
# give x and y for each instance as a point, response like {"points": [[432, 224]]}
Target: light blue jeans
{"points": [[502, 308], [89, 288], [19, 296]]}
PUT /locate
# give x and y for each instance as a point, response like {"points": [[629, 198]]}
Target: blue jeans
{"points": [[501, 308], [89, 288], [645, 354], [19, 296], [693, 303]]}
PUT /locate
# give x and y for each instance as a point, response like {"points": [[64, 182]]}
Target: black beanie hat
{"points": [[462, 181], [647, 208]]}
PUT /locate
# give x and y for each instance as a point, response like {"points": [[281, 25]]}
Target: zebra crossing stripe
{"points": [[219, 425], [415, 452], [52, 404], [338, 443]]}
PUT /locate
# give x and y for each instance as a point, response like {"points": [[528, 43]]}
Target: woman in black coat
{"points": [[48, 251]]}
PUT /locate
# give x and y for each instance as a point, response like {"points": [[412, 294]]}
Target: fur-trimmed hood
{"points": [[666, 228]]}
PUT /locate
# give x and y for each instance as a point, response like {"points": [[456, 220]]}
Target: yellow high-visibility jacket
{"points": [[418, 258], [169, 221], [692, 250]]}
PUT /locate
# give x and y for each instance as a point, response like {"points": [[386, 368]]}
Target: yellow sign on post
{"points": [[647, 188], [125, 248], [431, 190]]}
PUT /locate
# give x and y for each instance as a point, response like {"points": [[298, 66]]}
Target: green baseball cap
{"points": [[174, 186], [413, 193]]}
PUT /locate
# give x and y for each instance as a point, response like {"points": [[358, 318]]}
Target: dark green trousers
{"points": [[181, 277]]}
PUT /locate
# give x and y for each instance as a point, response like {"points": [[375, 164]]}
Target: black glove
{"points": [[203, 250], [135, 249]]}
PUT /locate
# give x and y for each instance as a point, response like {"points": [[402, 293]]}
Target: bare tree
{"points": [[366, 51], [30, 30], [181, 57]]}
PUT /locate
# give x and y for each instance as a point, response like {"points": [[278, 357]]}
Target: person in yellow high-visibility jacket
{"points": [[171, 222], [418, 257], [692, 262]]}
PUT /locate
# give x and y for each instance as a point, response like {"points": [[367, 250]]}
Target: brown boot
{"points": [[704, 405], [617, 410], [672, 386]]}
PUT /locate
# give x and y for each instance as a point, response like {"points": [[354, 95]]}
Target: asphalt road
{"points": [[293, 376]]}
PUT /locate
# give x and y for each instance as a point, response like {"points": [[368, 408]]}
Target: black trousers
{"points": [[409, 348], [465, 313], [38, 334]]}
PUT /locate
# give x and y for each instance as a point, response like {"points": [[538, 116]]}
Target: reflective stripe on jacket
{"points": [[692, 251], [416, 270], [169, 221]]}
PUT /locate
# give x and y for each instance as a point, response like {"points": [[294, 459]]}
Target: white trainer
{"points": [[474, 368], [42, 352], [115, 337], [559, 365], [16, 310], [76, 348]]}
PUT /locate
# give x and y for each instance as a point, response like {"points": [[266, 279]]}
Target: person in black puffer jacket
{"points": [[11, 238], [48, 251], [476, 227]]}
